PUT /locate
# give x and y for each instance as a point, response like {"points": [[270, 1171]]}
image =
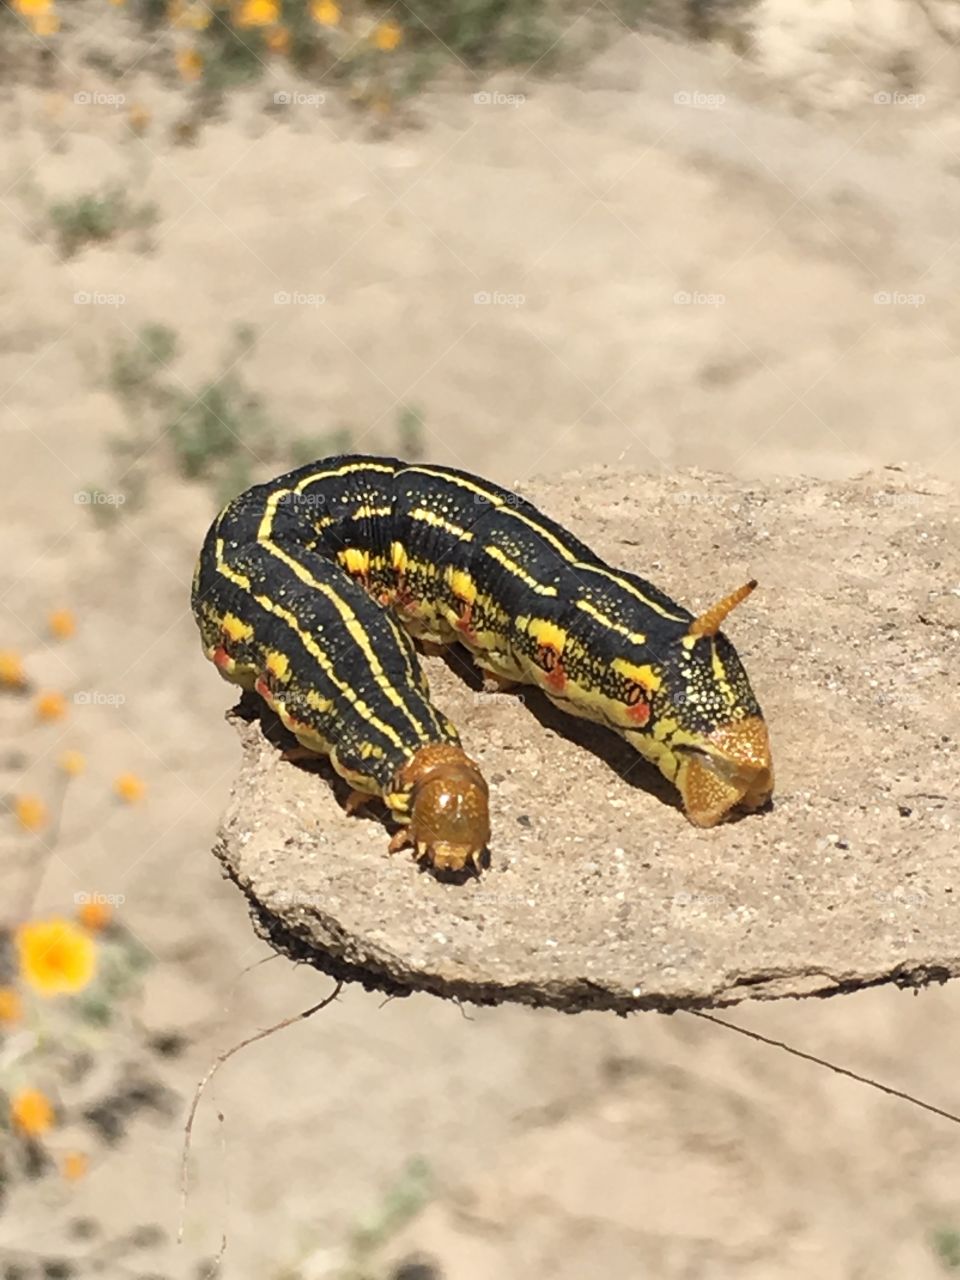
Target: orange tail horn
{"points": [[710, 621]]}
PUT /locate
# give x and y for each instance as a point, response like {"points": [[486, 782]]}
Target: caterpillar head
{"points": [[712, 736], [449, 808]]}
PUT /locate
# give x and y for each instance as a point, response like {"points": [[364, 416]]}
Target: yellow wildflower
{"points": [[95, 915], [11, 1007], [325, 12], [73, 763], [387, 35], [55, 956], [62, 624], [45, 24], [51, 706], [31, 812], [257, 13], [138, 117], [278, 40], [75, 1164], [129, 787], [11, 670], [189, 64], [31, 1112], [195, 17]]}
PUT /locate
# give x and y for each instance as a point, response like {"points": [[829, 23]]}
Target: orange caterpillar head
{"points": [[449, 808], [720, 745]]}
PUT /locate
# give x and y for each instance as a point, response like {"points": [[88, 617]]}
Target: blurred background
{"points": [[515, 236]]}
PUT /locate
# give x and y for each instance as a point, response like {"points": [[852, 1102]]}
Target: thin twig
{"points": [[831, 1066], [217, 1064]]}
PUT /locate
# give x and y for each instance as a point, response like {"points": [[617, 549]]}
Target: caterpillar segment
{"points": [[309, 588]]}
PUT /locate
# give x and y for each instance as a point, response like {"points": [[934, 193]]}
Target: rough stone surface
{"points": [[600, 895]]}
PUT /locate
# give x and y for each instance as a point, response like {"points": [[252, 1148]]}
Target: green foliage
{"points": [[219, 432], [487, 32], [97, 216], [410, 433], [945, 1243]]}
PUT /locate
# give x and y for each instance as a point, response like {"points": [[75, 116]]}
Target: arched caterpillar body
{"points": [[309, 587]]}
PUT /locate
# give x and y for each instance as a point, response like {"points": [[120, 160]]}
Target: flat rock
{"points": [[599, 894]]}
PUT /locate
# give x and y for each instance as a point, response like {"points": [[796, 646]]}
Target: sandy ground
{"points": [[699, 284]]}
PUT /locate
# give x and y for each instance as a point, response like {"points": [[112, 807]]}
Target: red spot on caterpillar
{"points": [[639, 713], [555, 677], [220, 657], [463, 624], [262, 688]]}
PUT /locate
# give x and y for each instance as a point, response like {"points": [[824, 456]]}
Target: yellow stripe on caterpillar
{"points": [[518, 571]]}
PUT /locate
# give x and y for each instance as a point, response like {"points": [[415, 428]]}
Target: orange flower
{"points": [[94, 915], [278, 40], [257, 13], [73, 763], [75, 1164], [189, 64], [12, 675], [45, 24], [62, 624], [138, 117], [11, 1007], [55, 956], [194, 17], [325, 12], [31, 1112], [31, 812], [51, 706], [129, 787], [387, 36]]}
